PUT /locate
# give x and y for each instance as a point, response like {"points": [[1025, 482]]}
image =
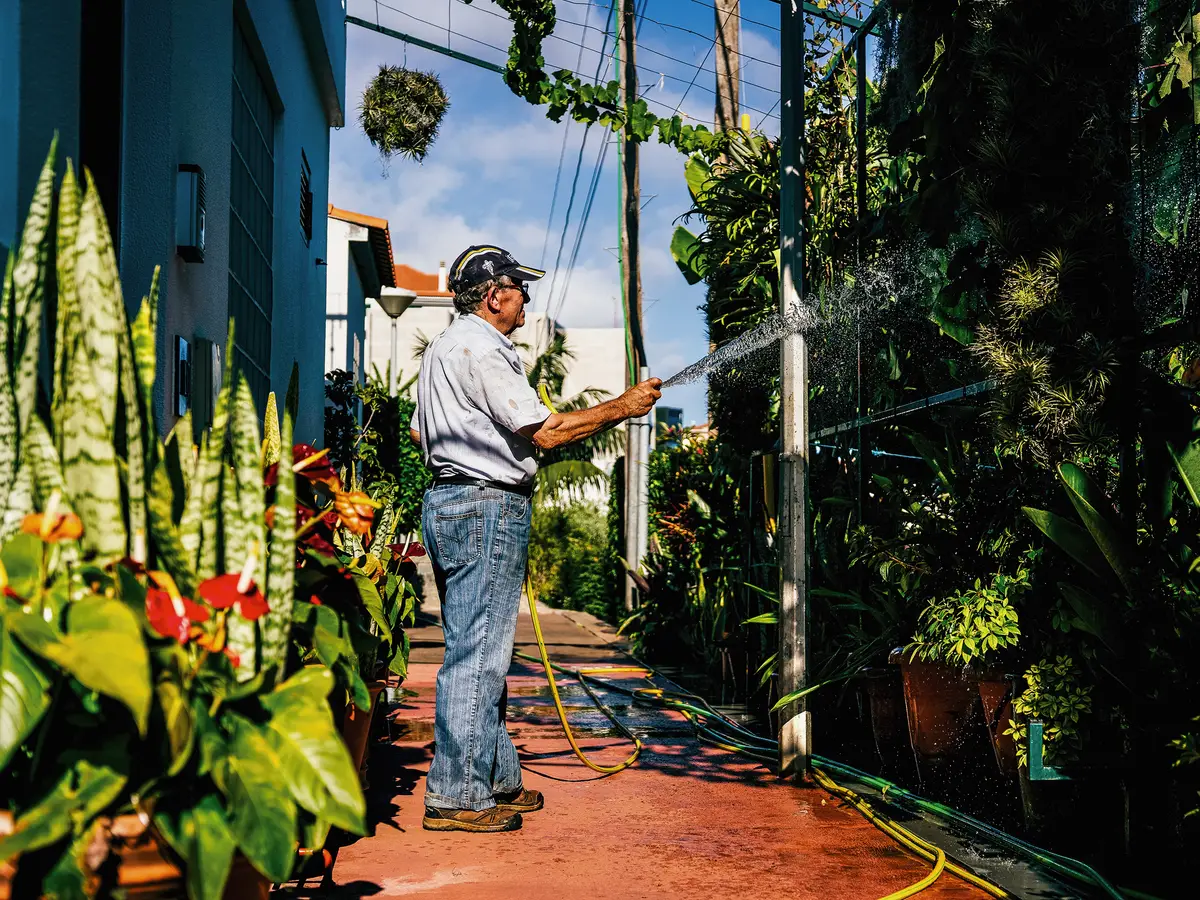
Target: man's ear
{"points": [[492, 301]]}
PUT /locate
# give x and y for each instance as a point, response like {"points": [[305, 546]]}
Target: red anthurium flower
{"points": [[408, 551], [222, 593], [313, 464], [234, 659], [172, 617], [314, 600], [53, 527]]}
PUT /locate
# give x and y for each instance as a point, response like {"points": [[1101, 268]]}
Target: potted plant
{"points": [[965, 631], [158, 736]]}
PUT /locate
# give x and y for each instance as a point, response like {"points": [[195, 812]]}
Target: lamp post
{"points": [[394, 301]]}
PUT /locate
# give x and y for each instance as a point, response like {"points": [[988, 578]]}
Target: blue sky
{"points": [[490, 175]]}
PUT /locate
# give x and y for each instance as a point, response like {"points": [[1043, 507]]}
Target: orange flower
{"points": [[355, 510], [53, 527]]}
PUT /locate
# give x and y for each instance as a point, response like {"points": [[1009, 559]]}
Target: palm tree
{"points": [[568, 471]]}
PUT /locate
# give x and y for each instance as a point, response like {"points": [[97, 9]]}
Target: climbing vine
{"points": [[564, 92]]}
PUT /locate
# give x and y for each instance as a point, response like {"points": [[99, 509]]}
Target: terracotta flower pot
{"points": [[995, 692], [147, 871], [8, 868], [885, 696], [939, 702], [356, 727]]}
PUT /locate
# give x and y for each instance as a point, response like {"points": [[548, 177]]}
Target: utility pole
{"points": [[795, 729], [637, 449], [728, 64]]}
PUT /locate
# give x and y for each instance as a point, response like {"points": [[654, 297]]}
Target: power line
{"points": [[562, 153], [700, 67], [675, 111]]}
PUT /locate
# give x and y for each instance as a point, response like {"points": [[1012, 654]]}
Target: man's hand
{"points": [[640, 398], [414, 436], [567, 428]]}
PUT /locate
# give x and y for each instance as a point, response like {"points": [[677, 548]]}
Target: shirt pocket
{"points": [[459, 536]]}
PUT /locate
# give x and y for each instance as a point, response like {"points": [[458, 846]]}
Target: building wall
{"points": [[337, 288], [346, 297], [297, 335], [177, 63], [420, 319], [39, 95]]}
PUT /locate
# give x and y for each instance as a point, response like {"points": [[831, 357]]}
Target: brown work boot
{"points": [[521, 801], [484, 820]]}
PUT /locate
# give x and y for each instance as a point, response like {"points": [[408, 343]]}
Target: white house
{"points": [[600, 360], [205, 125], [358, 268]]}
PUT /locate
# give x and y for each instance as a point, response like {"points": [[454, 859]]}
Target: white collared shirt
{"points": [[473, 397]]}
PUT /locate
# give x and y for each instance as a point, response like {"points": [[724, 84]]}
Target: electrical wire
{"points": [[563, 151], [597, 82]]}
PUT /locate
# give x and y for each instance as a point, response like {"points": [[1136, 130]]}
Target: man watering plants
{"points": [[480, 425]]}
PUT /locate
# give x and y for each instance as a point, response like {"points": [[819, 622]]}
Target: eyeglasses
{"points": [[519, 286]]}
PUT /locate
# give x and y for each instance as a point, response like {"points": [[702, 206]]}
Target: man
{"points": [[480, 424]]}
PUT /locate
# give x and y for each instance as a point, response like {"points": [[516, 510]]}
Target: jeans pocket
{"points": [[459, 536]]}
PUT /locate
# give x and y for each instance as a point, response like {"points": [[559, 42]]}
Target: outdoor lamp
{"points": [[394, 301]]}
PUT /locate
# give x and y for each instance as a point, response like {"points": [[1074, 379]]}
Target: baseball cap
{"points": [[481, 262]]}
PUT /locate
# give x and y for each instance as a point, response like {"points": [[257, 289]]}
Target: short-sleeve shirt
{"points": [[473, 397]]}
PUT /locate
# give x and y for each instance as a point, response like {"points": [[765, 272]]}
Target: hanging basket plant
{"points": [[401, 110]]}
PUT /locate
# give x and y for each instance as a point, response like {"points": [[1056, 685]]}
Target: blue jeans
{"points": [[478, 541]]}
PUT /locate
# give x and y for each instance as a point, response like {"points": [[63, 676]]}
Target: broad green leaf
{"points": [[1072, 539], [22, 558], [373, 603], [767, 618], [934, 458], [276, 625], [315, 762], [688, 253], [102, 648], [91, 387], [91, 781], [70, 877], [697, 173], [329, 636], [23, 696], [1187, 462], [1094, 508], [200, 834], [1096, 616], [177, 723], [262, 813]]}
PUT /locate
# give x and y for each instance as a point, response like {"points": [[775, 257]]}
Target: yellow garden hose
{"points": [[562, 713], [903, 836]]}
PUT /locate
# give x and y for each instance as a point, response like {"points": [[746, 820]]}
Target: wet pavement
{"points": [[686, 821]]}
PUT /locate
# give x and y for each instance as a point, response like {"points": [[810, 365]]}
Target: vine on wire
{"points": [[564, 92]]}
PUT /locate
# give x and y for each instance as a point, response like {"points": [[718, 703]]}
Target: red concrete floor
{"points": [[686, 821]]}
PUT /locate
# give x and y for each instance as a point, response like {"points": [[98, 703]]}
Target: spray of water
{"points": [[770, 331], [835, 318]]}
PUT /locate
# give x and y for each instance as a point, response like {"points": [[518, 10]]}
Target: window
{"points": [[251, 220], [306, 198]]}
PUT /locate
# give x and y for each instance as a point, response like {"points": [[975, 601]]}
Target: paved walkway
{"points": [[686, 821]]}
